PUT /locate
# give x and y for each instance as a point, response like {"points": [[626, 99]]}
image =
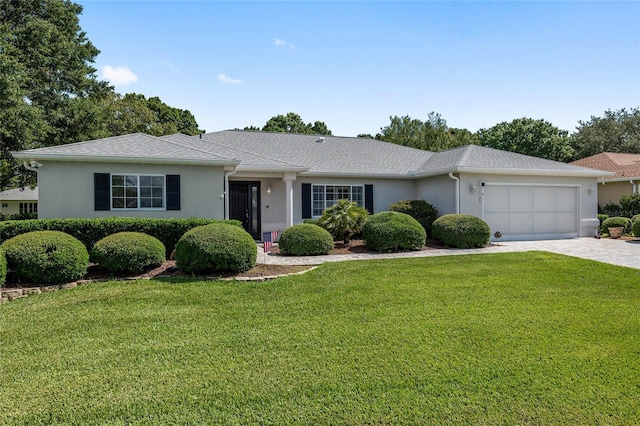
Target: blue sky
{"points": [[355, 64]]}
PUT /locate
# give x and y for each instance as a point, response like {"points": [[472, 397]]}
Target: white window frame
{"points": [[138, 176], [332, 202]]}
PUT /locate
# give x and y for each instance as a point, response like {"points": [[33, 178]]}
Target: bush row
{"points": [[90, 231], [53, 256]]}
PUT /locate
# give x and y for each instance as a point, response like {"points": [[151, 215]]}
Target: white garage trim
{"points": [[525, 211]]}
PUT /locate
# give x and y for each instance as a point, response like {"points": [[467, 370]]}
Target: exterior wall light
{"points": [[590, 189], [269, 189], [473, 188]]}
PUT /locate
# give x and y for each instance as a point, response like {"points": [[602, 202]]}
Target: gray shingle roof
{"points": [[19, 194], [333, 156], [474, 158], [136, 147], [304, 154]]}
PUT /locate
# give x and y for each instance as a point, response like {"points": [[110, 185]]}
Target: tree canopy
{"points": [[433, 134], [292, 123], [528, 136], [617, 131]]}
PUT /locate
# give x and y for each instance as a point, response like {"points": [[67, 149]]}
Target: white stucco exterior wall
{"points": [[439, 191], [66, 190]]}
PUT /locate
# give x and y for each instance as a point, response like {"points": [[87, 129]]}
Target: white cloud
{"points": [[119, 76], [279, 42], [226, 79]]}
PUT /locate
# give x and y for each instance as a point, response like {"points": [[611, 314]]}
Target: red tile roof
{"points": [[624, 165]]}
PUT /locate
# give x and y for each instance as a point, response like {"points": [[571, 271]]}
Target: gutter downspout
{"points": [[33, 168], [226, 191], [457, 191], [634, 191]]}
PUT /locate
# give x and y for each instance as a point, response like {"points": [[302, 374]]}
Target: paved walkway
{"points": [[617, 252]]}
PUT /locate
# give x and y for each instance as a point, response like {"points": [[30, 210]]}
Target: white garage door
{"points": [[528, 212]]}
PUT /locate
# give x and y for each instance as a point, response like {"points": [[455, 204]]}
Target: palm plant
{"points": [[343, 220]]}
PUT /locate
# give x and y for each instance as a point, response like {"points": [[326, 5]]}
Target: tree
{"points": [[433, 134], [133, 113], [292, 123], [537, 138], [343, 220], [617, 131], [46, 78], [50, 94]]}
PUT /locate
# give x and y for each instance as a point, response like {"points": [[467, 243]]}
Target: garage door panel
{"points": [[520, 223], [566, 200], [520, 199], [545, 223], [544, 199], [497, 199], [566, 223]]}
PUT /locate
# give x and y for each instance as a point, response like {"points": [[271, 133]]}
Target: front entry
{"points": [[244, 205]]}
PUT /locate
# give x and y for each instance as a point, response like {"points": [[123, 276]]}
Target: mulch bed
{"points": [[357, 246]]}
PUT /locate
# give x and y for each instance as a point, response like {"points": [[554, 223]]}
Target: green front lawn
{"points": [[522, 338]]}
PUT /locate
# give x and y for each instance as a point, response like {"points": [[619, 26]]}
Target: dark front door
{"points": [[244, 205]]}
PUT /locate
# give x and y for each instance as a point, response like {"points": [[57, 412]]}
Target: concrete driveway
{"points": [[616, 252]]}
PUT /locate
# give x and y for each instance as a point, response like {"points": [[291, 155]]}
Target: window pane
{"points": [[117, 191], [156, 192], [145, 192], [132, 192], [145, 180], [132, 203], [158, 181], [131, 180], [117, 180], [157, 203], [145, 202], [117, 203]]}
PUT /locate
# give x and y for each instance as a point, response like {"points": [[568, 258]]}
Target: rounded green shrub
{"points": [[614, 221], [393, 231], [305, 239], [602, 218], [128, 252], [216, 247], [420, 210], [3, 267], [635, 218], [461, 231], [46, 257]]}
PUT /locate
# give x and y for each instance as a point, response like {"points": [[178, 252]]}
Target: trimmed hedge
{"points": [[616, 221], [420, 210], [461, 231], [305, 239], [128, 252], [393, 231], [89, 231], [635, 228], [3, 267], [46, 257], [216, 247]]}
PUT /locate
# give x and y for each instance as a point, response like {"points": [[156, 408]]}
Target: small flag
{"points": [[274, 236], [267, 241]]}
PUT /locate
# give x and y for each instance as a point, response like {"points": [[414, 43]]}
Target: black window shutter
{"points": [[101, 187], [306, 201], [173, 192], [368, 198]]}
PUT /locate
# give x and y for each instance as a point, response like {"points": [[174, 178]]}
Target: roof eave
{"points": [[522, 172], [25, 155], [264, 168], [360, 175], [622, 179]]}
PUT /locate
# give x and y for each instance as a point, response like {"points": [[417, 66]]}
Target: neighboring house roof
{"points": [[20, 194], [310, 155], [624, 166]]}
